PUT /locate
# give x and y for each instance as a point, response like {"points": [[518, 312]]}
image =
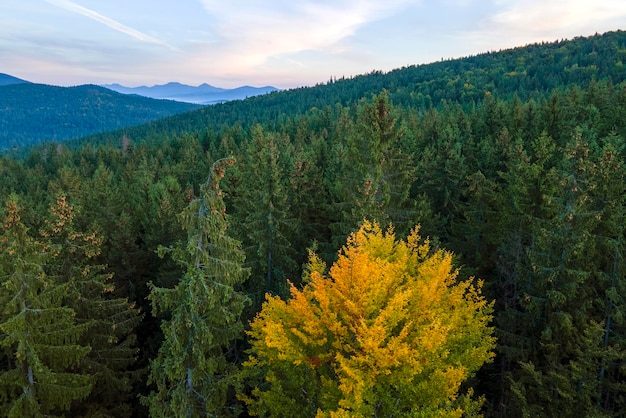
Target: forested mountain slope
{"points": [[526, 72], [6, 79], [169, 245], [33, 113]]}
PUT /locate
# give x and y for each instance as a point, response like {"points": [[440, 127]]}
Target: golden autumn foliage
{"points": [[388, 331]]}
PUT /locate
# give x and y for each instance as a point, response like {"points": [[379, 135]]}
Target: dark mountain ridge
{"points": [[7, 80], [33, 113], [526, 72]]}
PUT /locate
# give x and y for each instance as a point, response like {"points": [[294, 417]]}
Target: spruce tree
{"points": [[193, 373], [528, 167], [263, 214], [110, 320], [374, 169], [441, 171], [557, 371], [40, 339], [610, 236]]}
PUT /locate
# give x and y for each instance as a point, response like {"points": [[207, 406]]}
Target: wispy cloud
{"points": [[525, 21], [539, 15], [252, 33], [281, 42], [113, 24]]}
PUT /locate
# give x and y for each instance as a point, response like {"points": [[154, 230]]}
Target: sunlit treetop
{"points": [[388, 329]]}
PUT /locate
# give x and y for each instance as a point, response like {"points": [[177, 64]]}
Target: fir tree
{"points": [[40, 339], [374, 170], [110, 321], [263, 212], [610, 236], [192, 372]]}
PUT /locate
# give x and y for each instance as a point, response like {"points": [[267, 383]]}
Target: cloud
{"points": [[279, 42], [251, 33], [541, 15], [113, 24], [526, 21]]}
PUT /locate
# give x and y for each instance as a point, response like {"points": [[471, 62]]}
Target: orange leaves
{"points": [[12, 212], [389, 321]]}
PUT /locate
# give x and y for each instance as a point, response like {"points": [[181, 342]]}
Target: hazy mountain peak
{"points": [[202, 94]]}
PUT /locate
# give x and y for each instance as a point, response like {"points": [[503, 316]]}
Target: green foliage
{"points": [[373, 170], [192, 372], [263, 215], [110, 321], [40, 340], [514, 160], [34, 113], [532, 71]]}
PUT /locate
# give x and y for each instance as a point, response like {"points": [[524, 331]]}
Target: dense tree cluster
{"points": [[528, 192]]}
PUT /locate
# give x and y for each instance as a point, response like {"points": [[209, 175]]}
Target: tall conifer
{"points": [[192, 372], [40, 340], [110, 320], [263, 213], [610, 234], [374, 170]]}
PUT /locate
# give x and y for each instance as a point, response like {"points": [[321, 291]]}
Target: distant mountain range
{"points": [[32, 113], [202, 94]]}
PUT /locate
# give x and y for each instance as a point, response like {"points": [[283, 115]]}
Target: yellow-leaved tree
{"points": [[388, 331]]}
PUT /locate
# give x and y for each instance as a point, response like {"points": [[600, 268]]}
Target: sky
{"points": [[283, 43]]}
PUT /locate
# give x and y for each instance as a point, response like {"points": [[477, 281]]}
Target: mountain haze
{"points": [[202, 94]]}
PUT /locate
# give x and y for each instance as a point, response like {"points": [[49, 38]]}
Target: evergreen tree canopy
{"points": [[39, 338], [192, 373]]}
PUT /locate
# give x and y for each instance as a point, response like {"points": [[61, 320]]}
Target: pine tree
{"points": [[193, 373], [528, 168], [557, 373], [104, 203], [309, 202], [610, 259], [474, 234], [40, 339], [442, 170]]}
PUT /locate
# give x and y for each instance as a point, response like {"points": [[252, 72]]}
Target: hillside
{"points": [[6, 80], [202, 94], [32, 113], [504, 172], [526, 72]]}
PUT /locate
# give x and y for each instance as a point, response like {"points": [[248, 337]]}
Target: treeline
{"points": [[529, 195], [529, 72]]}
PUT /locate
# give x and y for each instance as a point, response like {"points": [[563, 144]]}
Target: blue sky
{"points": [[284, 43]]}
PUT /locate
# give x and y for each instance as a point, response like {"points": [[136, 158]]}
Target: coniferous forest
{"points": [[440, 240]]}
